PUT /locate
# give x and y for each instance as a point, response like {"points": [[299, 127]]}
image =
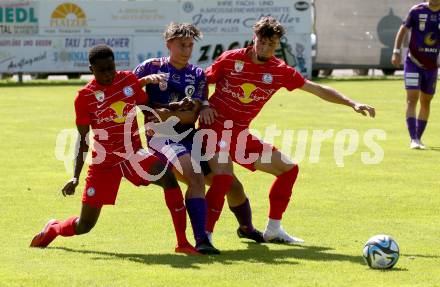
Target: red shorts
{"points": [[102, 184], [243, 147]]}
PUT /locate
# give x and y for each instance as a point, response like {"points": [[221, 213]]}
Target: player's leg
{"points": [[101, 188], [222, 177], [428, 85], [195, 203], [240, 206], [412, 97], [73, 226], [173, 195], [412, 86], [286, 173]]}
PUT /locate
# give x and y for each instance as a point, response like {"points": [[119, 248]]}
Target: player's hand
{"points": [[186, 104], [207, 115], [364, 109], [153, 79], [69, 188], [396, 60]]}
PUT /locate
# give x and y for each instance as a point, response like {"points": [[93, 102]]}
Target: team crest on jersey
{"points": [[238, 66], [267, 78], [128, 91], [99, 95], [91, 191], [189, 91]]}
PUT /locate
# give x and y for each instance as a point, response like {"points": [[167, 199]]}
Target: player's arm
{"points": [[185, 116], [81, 149], [152, 79], [396, 58], [333, 96]]}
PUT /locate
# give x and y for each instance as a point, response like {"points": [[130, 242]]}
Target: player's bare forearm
{"points": [[333, 96], [400, 36], [396, 58], [185, 116], [326, 93], [81, 149]]}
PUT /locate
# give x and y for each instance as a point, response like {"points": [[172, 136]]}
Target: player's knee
{"points": [[237, 187], [196, 180], [168, 180], [84, 226]]}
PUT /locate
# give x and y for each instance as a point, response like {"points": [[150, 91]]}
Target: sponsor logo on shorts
{"points": [[90, 191]]}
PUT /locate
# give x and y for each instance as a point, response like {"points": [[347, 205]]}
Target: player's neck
{"points": [[434, 8], [177, 65], [253, 55]]}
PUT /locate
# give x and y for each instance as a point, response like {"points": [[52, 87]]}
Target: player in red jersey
{"points": [[107, 105], [245, 80]]}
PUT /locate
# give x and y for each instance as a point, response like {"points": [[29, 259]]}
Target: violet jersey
{"points": [[424, 45], [189, 81], [106, 109], [243, 87]]}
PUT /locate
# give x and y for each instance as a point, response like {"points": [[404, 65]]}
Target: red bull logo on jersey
{"points": [[116, 112], [248, 92]]}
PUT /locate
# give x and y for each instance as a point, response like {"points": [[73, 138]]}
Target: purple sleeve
{"points": [[200, 86], [142, 69], [409, 21]]}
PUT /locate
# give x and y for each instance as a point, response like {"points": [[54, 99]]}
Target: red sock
{"points": [[174, 200], [280, 192], [215, 198], [67, 228]]}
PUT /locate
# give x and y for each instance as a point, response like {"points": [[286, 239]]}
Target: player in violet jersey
{"points": [[420, 67], [176, 89]]}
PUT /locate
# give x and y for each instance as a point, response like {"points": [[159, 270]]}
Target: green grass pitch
{"points": [[335, 209]]}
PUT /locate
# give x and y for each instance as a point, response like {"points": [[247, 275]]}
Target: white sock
{"points": [[209, 235], [273, 224]]}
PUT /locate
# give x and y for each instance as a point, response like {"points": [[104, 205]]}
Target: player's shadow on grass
{"points": [[255, 253], [434, 148]]}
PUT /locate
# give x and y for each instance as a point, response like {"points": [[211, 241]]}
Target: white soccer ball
{"points": [[381, 252]]}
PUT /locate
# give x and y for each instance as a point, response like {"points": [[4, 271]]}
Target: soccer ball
{"points": [[381, 252]]}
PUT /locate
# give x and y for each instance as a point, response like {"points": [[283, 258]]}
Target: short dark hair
{"points": [[100, 51], [267, 27], [181, 30]]}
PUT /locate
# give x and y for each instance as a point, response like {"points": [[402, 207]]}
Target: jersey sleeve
{"points": [[292, 78], [141, 96], [215, 71], [142, 69], [81, 112], [200, 91], [409, 21]]}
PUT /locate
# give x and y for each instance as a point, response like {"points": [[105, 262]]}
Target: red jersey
{"points": [[105, 109], [243, 87]]}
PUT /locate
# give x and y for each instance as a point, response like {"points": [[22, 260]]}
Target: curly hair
{"points": [[100, 51], [267, 27], [181, 30]]}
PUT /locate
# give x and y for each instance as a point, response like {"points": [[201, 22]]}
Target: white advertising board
{"points": [[55, 36]]}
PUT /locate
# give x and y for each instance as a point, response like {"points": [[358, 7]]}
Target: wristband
{"points": [[205, 103], [74, 180], [396, 51]]}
